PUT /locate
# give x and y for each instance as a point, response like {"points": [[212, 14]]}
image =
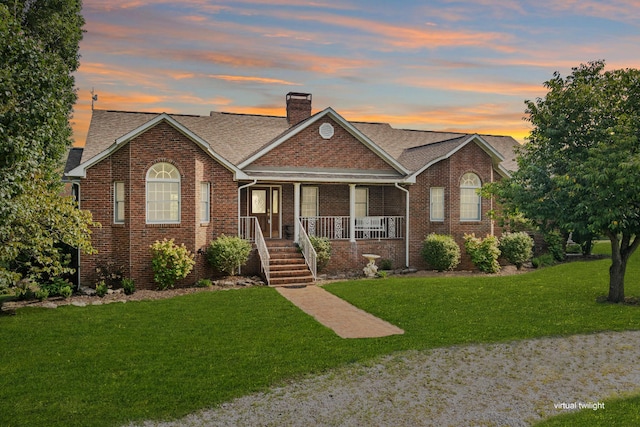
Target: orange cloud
{"points": [[408, 37], [483, 119], [524, 90], [249, 79], [134, 101], [80, 123], [100, 74], [264, 110]]}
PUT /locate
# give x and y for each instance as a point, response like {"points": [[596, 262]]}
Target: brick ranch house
{"points": [[368, 187]]}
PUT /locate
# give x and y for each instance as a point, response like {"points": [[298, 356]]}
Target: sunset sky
{"points": [[437, 65]]}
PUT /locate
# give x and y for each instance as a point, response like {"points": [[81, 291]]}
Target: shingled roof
{"points": [[235, 137]]}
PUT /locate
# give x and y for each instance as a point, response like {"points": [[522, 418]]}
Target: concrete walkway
{"points": [[346, 320]]}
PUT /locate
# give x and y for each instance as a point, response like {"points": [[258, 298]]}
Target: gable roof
{"points": [[426, 155], [80, 170], [417, 148], [330, 113], [237, 140]]}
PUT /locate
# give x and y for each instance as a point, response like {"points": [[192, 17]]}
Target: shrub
{"points": [[386, 264], [170, 262], [42, 294], [101, 288], [322, 246], [25, 289], [517, 248], [55, 287], [228, 254], [573, 248], [204, 283], [65, 292], [543, 260], [110, 273], [553, 239], [484, 253], [129, 286], [441, 252]]}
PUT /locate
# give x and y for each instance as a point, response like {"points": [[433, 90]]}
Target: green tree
{"points": [[580, 169], [38, 52]]}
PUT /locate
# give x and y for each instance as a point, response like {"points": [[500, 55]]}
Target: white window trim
{"points": [[479, 199], [116, 202], [153, 180], [206, 218], [431, 203]]}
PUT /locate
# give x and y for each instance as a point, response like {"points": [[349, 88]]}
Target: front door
{"points": [[265, 205]]}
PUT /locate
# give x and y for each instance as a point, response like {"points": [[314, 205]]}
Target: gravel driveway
{"points": [[512, 384]]}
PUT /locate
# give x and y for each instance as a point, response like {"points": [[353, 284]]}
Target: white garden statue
{"points": [[371, 269]]}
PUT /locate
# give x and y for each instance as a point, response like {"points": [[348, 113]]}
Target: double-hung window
{"points": [[118, 202], [163, 194], [362, 202], [309, 202], [205, 201], [436, 207]]}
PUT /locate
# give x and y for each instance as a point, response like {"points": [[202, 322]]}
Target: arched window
{"points": [[469, 198], [163, 194]]}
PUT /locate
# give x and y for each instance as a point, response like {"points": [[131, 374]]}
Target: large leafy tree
{"points": [[39, 42], [580, 169]]}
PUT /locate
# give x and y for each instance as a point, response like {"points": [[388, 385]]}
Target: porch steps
{"points": [[287, 265]]}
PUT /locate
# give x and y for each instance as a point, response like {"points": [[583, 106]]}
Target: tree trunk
{"points": [[616, 280], [621, 249]]}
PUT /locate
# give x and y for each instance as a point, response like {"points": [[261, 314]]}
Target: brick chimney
{"points": [[298, 107]]}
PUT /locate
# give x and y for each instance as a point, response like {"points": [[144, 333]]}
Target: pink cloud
{"points": [[405, 36], [252, 79]]}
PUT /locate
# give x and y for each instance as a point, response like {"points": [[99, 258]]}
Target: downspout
{"points": [[296, 212], [242, 187], [406, 225], [77, 249], [352, 213], [491, 206]]}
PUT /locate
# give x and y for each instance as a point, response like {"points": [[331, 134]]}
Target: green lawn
{"points": [[617, 412], [107, 365]]}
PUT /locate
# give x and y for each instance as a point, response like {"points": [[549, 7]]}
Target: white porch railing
{"points": [[249, 229], [308, 251], [331, 227], [368, 227], [263, 251]]}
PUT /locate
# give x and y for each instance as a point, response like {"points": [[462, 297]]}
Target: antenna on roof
{"points": [[94, 98]]}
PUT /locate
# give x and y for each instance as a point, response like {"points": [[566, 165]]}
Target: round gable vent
{"points": [[326, 131]]}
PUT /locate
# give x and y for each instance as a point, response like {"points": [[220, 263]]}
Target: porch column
{"points": [[296, 212], [352, 212]]}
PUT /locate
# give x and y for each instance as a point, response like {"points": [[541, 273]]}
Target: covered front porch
{"points": [[335, 211], [341, 212]]}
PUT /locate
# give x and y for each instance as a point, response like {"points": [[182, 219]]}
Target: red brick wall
{"points": [[346, 256], [97, 197], [129, 243], [447, 174], [307, 149]]}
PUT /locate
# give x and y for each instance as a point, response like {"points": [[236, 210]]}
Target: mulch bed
{"points": [[118, 295]]}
